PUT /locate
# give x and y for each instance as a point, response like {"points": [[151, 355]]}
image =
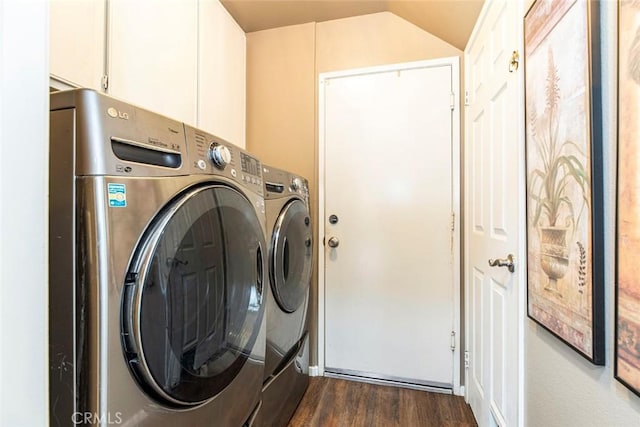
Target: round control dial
{"points": [[219, 155], [296, 184]]}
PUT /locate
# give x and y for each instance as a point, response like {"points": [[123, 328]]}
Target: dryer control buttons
{"points": [[201, 164], [219, 155]]}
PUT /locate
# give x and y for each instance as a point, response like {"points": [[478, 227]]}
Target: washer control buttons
{"points": [[233, 173], [202, 164], [219, 155]]}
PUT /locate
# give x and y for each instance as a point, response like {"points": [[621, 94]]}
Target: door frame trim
{"points": [[454, 63]]}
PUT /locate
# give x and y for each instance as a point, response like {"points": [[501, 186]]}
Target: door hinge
{"points": [[453, 221], [453, 341], [453, 101], [514, 63], [105, 82], [467, 100], [467, 361]]}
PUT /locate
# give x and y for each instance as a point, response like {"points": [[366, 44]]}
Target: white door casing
{"points": [[494, 226], [389, 169]]}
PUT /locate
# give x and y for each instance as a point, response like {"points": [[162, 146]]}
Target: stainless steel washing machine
{"points": [[157, 265], [287, 297]]}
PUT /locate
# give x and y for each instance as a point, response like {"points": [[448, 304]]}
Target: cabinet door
{"points": [[77, 44], [222, 70], [153, 55]]}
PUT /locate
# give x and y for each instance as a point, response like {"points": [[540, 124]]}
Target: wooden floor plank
{"points": [[331, 402]]}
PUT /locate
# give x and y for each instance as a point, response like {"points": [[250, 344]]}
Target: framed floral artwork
{"points": [[565, 276], [627, 326]]}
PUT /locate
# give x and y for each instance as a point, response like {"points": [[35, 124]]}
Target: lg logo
{"points": [[89, 418], [115, 113]]}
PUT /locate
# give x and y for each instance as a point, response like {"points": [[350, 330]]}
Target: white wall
{"points": [[562, 388], [24, 135]]}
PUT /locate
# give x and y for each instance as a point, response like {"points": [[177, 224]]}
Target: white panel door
{"points": [[222, 59], [493, 207], [153, 55], [389, 284], [77, 29]]}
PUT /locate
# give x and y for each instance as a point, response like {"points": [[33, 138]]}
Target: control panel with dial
{"points": [[219, 154], [211, 155]]}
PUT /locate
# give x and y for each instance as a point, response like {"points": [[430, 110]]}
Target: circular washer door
{"points": [[192, 306], [291, 256]]}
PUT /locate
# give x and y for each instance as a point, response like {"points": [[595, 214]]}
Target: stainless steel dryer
{"points": [[157, 265], [290, 269]]}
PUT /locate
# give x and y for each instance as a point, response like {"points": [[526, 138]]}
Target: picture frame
{"points": [[627, 299], [563, 146]]}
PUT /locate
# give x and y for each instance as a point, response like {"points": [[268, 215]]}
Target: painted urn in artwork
{"points": [[554, 255], [556, 173]]}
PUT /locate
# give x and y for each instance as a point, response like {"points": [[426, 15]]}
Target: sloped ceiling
{"points": [[450, 20]]}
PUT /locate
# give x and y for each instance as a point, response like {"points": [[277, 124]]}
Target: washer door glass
{"points": [[192, 306], [291, 256]]}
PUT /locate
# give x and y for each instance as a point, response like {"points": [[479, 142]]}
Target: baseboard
{"points": [[314, 371], [388, 382], [461, 391]]}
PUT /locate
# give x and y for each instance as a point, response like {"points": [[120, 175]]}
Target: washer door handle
{"points": [[259, 270]]}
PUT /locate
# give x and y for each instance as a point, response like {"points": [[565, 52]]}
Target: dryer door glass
{"points": [[291, 256], [192, 306]]}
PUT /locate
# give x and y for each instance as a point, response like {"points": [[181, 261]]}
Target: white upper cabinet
{"points": [[185, 59], [222, 71], [153, 55], [77, 41]]}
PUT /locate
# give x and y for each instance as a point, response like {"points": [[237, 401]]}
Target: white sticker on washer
{"points": [[117, 194]]}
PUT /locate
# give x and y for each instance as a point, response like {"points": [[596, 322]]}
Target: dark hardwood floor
{"points": [[330, 402]]}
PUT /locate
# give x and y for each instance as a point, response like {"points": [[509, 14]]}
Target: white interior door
{"points": [[493, 206], [389, 282]]}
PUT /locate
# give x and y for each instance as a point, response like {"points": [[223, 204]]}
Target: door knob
{"points": [[333, 242], [508, 262]]}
